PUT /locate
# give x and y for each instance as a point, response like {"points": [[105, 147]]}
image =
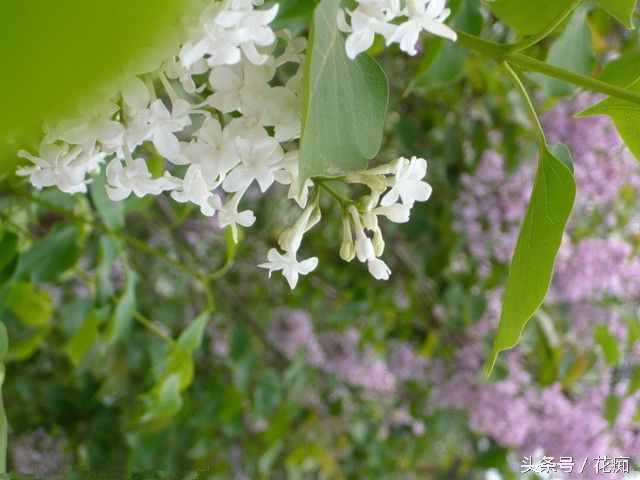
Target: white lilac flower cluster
{"points": [[397, 22], [223, 114]]}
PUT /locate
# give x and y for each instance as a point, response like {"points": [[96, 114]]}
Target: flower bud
{"points": [[347, 249], [378, 242]]}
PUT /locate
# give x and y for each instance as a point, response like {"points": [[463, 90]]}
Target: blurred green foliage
{"points": [[59, 55]]}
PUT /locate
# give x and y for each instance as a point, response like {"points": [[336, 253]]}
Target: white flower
{"points": [[163, 126], [56, 165], [246, 128], [90, 129], [213, 151], [134, 177], [294, 52], [281, 109], [289, 175], [136, 95], [347, 248], [174, 70], [397, 213], [235, 29], [364, 245], [228, 215], [378, 269], [427, 15], [371, 17], [408, 184], [250, 28], [259, 161], [240, 88], [291, 239], [218, 46], [194, 189], [290, 266]]}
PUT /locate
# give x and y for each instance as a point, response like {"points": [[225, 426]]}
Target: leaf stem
{"points": [[530, 107], [532, 40], [502, 53], [152, 327], [341, 199]]}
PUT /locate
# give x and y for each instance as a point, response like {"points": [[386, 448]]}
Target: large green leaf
{"points": [[625, 115], [572, 50], [526, 16], [623, 70], [59, 54], [345, 102], [552, 199], [620, 9]]}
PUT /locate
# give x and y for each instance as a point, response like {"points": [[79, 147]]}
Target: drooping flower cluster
{"points": [[223, 116], [396, 21]]}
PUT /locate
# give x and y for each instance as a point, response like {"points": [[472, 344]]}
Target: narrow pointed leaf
{"points": [[533, 261]]}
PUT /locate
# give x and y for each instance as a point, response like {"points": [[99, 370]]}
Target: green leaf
{"points": [[164, 401], [526, 16], [8, 249], [4, 342], [552, 200], [634, 381], [111, 213], [51, 256], [191, 339], [30, 304], [625, 115], [107, 255], [609, 345], [120, 322], [623, 70], [345, 102], [572, 50], [85, 338], [294, 15], [24, 349], [612, 408], [622, 10], [59, 56], [180, 358]]}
